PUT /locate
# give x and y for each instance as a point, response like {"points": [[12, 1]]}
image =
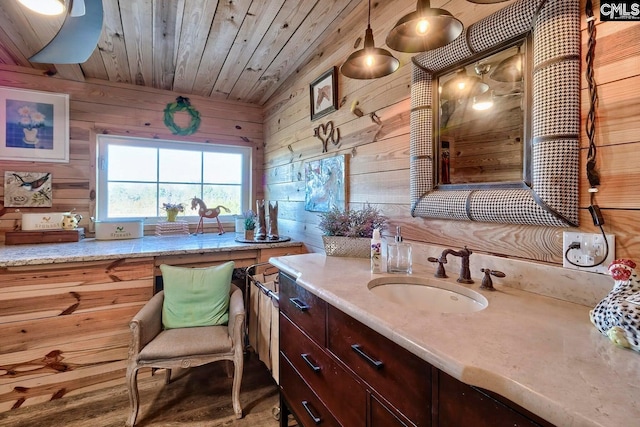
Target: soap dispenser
{"points": [[399, 255], [376, 252]]}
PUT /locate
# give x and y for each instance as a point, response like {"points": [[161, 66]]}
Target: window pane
{"points": [[180, 166], [179, 193], [132, 163], [222, 168], [132, 200], [228, 196]]}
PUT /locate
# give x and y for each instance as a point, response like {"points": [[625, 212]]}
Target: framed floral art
{"points": [[35, 126]]}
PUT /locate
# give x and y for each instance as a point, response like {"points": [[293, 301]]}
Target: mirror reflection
{"points": [[482, 120]]}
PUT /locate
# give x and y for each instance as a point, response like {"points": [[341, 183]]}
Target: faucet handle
{"points": [[440, 270], [487, 283]]}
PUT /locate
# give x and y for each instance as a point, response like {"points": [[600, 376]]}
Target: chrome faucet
{"points": [[465, 272]]}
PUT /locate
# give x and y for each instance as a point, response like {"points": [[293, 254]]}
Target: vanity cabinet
{"points": [[337, 371], [359, 377], [459, 404]]}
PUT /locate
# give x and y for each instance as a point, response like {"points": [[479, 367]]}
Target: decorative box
{"points": [[42, 221], [169, 228], [118, 230]]}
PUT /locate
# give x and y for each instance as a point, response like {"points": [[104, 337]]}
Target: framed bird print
{"points": [[27, 189], [34, 126], [323, 93]]}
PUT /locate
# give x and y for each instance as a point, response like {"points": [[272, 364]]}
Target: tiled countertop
{"points": [[149, 246], [539, 352]]}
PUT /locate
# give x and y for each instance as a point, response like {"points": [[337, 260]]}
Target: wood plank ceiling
{"points": [[228, 49]]}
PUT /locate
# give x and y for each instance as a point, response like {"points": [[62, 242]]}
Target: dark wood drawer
{"points": [[306, 310], [301, 401], [381, 416], [336, 388], [459, 404], [403, 378]]}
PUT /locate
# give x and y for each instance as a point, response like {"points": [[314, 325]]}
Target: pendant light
{"points": [[483, 101], [510, 69], [369, 62], [45, 7], [425, 29]]}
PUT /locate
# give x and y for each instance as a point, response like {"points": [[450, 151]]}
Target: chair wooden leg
{"points": [[237, 380], [134, 397]]}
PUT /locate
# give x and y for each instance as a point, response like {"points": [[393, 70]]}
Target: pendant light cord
{"points": [[592, 173]]}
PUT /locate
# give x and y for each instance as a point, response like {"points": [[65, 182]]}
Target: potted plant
{"points": [[249, 224], [348, 232], [172, 210]]}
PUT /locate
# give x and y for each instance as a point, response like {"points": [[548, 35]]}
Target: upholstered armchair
{"points": [[154, 346]]}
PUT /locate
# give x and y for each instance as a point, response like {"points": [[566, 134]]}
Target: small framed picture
{"points": [[34, 126], [323, 93]]}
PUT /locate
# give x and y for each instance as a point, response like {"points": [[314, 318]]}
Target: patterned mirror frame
{"points": [[552, 199]]}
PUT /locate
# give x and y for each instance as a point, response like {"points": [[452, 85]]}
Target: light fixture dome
{"points": [[370, 62], [45, 7], [425, 29]]}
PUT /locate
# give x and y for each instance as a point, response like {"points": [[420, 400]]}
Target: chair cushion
{"points": [[184, 342], [196, 296]]}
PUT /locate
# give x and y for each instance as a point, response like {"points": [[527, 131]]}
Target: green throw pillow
{"points": [[196, 296]]}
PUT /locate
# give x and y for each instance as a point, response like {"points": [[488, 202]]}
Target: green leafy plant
{"points": [[249, 220], [352, 222]]}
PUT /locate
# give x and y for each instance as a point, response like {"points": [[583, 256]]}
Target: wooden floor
{"points": [[199, 397]]}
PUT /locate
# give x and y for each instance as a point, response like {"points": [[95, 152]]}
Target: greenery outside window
{"points": [[136, 176]]}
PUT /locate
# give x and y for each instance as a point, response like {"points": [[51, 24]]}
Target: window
{"points": [[136, 176]]}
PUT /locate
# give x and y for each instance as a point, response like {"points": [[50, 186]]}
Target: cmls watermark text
{"points": [[620, 11]]}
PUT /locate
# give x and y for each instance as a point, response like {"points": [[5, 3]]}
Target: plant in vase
{"points": [[348, 232], [172, 210], [30, 120], [249, 224]]}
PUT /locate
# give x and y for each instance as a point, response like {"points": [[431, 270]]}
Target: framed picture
{"points": [[325, 184], [27, 189], [323, 94], [34, 126]]}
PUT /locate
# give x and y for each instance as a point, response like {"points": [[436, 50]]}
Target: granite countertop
{"points": [[539, 352], [148, 246]]}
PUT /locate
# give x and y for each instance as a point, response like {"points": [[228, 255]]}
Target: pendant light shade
{"points": [[425, 29], [45, 7], [510, 69], [370, 62]]}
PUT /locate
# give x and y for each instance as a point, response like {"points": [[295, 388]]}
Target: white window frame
{"points": [[102, 196]]}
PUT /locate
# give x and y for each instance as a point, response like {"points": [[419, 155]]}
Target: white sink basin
{"points": [[428, 294]]}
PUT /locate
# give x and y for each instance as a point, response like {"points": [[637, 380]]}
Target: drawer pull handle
{"points": [[307, 408], [375, 363], [313, 366], [300, 305]]}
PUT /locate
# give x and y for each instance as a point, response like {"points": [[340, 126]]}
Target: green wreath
{"points": [[181, 104]]}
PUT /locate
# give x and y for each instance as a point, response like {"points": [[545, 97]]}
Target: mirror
{"points": [[483, 119], [550, 196]]}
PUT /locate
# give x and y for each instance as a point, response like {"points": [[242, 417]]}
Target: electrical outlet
{"points": [[592, 249]]}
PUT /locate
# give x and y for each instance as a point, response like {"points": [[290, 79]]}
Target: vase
{"points": [[30, 135], [171, 216], [357, 247], [248, 234]]}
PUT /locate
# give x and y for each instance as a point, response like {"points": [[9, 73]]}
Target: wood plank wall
{"points": [[98, 107], [379, 156]]}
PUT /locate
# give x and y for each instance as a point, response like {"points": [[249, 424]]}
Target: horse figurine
{"points": [[618, 314], [205, 212]]}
